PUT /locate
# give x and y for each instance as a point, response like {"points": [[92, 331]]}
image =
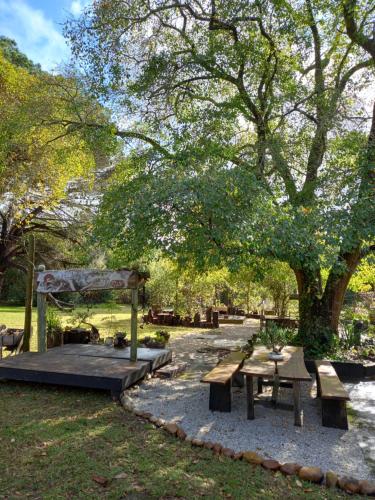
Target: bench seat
{"points": [[333, 396], [220, 379]]}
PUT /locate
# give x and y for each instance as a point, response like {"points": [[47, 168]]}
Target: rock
{"points": [[153, 420], [197, 442], [181, 434], [367, 488], [227, 452], [289, 469], [217, 448], [171, 428], [208, 445], [349, 484], [312, 474], [160, 422], [238, 456], [252, 457], [271, 465], [331, 479]]}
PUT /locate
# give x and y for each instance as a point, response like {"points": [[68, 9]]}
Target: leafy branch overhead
{"points": [[248, 130]]}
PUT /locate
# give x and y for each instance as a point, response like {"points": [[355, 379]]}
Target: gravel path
{"points": [[184, 400]]}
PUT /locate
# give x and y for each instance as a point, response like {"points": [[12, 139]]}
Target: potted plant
{"points": [[275, 338]]}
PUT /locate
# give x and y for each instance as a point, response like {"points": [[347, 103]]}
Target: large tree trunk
{"points": [[320, 312]]}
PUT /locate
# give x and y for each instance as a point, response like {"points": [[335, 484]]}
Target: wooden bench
{"points": [[220, 380], [333, 396]]}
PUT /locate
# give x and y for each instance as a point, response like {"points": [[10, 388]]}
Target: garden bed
{"points": [[347, 370]]}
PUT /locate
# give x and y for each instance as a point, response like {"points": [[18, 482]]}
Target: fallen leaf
{"points": [[103, 481], [298, 483], [120, 475]]}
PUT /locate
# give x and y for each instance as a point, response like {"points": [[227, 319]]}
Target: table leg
{"points": [[275, 390], [298, 417], [260, 385], [250, 397]]}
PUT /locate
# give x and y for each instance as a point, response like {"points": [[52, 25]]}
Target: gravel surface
{"points": [[184, 400]]}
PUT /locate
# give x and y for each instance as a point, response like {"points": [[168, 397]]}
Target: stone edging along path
{"points": [[313, 474]]}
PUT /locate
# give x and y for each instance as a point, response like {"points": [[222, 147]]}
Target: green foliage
{"points": [[162, 336], [363, 279], [281, 283], [11, 52], [249, 137], [275, 337], [14, 287], [53, 327]]}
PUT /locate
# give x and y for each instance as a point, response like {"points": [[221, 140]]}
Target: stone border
{"points": [[313, 474]]}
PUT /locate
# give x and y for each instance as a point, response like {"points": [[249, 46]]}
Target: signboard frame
{"points": [[83, 280]]}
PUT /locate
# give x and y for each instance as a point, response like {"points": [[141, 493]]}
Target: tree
{"points": [[255, 136], [42, 158], [11, 52]]}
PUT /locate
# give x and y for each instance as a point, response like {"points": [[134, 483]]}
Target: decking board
{"points": [[114, 373]]}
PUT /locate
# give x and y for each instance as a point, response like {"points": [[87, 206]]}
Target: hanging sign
{"points": [[82, 280]]}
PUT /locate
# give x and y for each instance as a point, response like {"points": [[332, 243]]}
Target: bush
{"points": [[275, 337], [53, 327]]}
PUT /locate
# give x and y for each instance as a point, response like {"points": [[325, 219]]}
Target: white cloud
{"points": [[35, 34], [76, 7]]}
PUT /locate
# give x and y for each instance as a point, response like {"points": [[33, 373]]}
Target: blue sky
{"points": [[36, 27]]}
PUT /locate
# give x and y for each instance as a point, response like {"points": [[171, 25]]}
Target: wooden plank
{"points": [[93, 372], [221, 397], [293, 366], [259, 365], [42, 311], [329, 383], [156, 357], [133, 324], [224, 371], [79, 280], [250, 397], [221, 373], [234, 356]]}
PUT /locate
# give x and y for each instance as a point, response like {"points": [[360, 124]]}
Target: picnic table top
{"points": [[292, 367]]}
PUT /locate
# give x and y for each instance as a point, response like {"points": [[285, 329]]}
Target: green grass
{"points": [[108, 318], [54, 440]]}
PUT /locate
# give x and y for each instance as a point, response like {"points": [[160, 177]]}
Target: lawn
{"points": [[54, 441], [108, 318]]}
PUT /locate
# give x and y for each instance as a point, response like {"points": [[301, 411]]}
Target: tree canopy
{"points": [[42, 155], [253, 134]]}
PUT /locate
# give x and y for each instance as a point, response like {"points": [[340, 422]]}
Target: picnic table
{"points": [[292, 368]]}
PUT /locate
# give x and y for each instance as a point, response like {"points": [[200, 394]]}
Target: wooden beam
{"points": [[134, 321], [29, 293], [41, 299]]}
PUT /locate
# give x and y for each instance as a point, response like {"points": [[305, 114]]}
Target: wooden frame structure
{"points": [[82, 280]]}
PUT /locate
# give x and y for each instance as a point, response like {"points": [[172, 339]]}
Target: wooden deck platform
{"points": [[80, 365]]}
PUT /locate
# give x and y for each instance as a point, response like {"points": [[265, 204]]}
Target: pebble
{"points": [[349, 484], [312, 474], [252, 457], [289, 469], [331, 479], [271, 465]]}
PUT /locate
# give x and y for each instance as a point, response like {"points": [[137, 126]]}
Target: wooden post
{"points": [[134, 320], [29, 294], [250, 397], [41, 299], [298, 416]]}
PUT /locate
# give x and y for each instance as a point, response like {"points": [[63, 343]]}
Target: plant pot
{"points": [[275, 356]]}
